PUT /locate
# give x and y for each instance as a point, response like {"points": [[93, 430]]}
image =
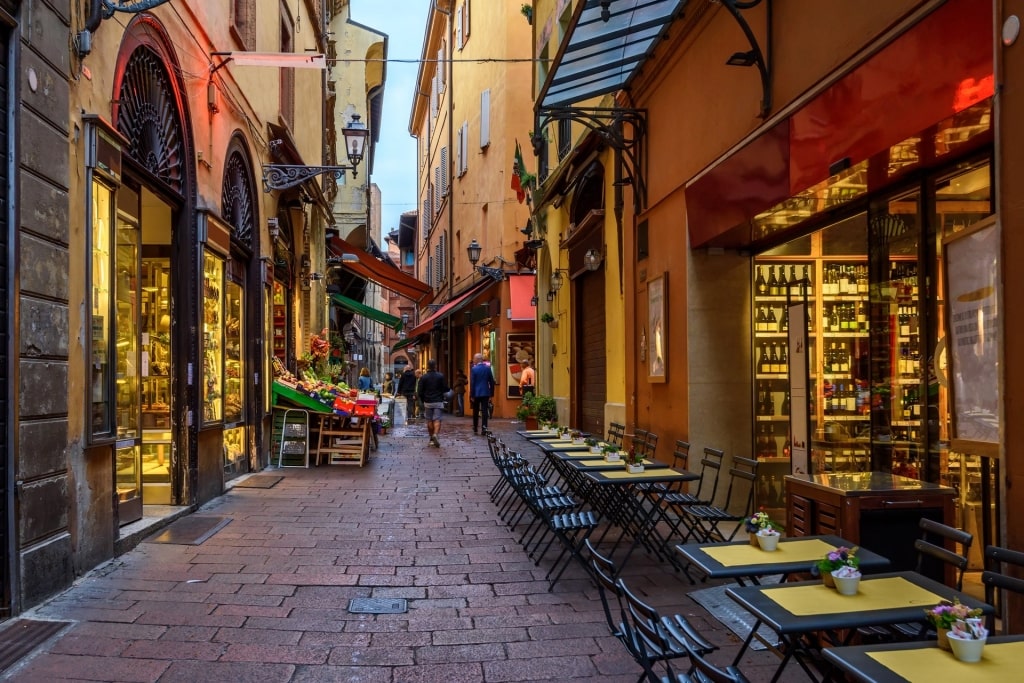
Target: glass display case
{"points": [[234, 344], [212, 338], [127, 320], [235, 451], [280, 322], [100, 413], [128, 477], [156, 344]]}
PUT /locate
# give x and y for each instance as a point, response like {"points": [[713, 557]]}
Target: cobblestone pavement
{"points": [[266, 597]]}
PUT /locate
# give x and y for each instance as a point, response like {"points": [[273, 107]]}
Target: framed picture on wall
{"points": [[519, 348], [657, 323]]}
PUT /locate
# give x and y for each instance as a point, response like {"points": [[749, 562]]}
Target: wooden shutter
{"points": [[485, 118], [458, 27]]}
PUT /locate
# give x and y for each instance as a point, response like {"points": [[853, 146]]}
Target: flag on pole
{"points": [[520, 178]]}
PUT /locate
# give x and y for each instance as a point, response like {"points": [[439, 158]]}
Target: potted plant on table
{"points": [[537, 409], [758, 521], [833, 560], [967, 639], [943, 616], [593, 443], [611, 453], [634, 461]]}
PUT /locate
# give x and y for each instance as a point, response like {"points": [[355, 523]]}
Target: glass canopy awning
{"points": [[607, 41]]}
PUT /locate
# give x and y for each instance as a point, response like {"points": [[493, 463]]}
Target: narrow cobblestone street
{"points": [[266, 597]]}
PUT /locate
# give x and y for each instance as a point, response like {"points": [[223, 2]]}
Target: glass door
{"points": [[128, 466]]}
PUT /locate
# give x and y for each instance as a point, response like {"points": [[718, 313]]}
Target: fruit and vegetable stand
{"points": [[339, 435]]}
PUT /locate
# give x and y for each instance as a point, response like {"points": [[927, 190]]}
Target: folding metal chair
{"points": [[706, 520], [995, 578]]}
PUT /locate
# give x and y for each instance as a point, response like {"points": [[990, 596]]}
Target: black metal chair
{"points": [[706, 520], [656, 641], [995, 577], [676, 500], [616, 432], [704, 671]]}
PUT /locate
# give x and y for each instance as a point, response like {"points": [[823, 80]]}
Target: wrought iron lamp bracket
{"points": [[621, 129], [760, 57], [496, 274], [286, 176], [129, 6]]}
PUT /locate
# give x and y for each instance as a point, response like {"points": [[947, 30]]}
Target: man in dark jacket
{"points": [[481, 389], [407, 388], [432, 389]]}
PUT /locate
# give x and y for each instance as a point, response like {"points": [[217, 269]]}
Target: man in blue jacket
{"points": [[481, 389]]}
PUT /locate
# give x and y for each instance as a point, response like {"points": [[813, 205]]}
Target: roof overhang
{"points": [[602, 55]]}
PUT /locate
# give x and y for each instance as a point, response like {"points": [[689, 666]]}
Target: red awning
{"points": [[522, 288], [384, 274], [452, 306]]}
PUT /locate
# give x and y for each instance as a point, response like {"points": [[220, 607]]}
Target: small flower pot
{"points": [[966, 650], [846, 585], [634, 469], [577, 441], [753, 539], [612, 457], [595, 449], [827, 579], [768, 543], [943, 639]]}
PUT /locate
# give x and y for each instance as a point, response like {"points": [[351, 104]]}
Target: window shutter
{"points": [[445, 171], [433, 97], [442, 77], [463, 152], [485, 118], [465, 16], [437, 189], [459, 139], [430, 272], [458, 28], [425, 218]]}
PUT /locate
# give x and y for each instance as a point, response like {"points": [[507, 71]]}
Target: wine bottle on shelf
{"points": [[844, 357], [851, 280], [785, 404], [774, 363], [783, 283], [761, 322], [772, 322], [784, 358], [850, 405], [773, 282], [760, 284], [834, 323], [862, 317], [784, 325], [764, 362], [787, 448], [810, 282], [844, 318]]}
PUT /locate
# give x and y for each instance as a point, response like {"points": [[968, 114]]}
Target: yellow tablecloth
{"points": [[646, 474], [788, 551], [1000, 662], [601, 461], [875, 594]]}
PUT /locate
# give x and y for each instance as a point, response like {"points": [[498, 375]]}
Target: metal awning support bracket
{"points": [[756, 56]]}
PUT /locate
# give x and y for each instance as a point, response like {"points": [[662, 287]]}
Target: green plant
{"points": [[609, 448], [547, 318], [527, 11], [836, 559], [539, 406], [945, 614], [590, 441], [634, 458]]}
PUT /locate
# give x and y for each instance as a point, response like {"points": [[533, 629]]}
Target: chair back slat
{"points": [[997, 577], [615, 433], [932, 546]]}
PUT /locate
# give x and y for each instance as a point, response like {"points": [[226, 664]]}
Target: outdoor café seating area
{"points": [[829, 609]]}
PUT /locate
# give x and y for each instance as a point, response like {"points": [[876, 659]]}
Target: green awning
{"points": [[408, 341], [367, 311]]}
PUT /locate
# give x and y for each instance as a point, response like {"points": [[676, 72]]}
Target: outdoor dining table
{"points": [[613, 493], [799, 609], [924, 662], [744, 563], [543, 435], [561, 445]]}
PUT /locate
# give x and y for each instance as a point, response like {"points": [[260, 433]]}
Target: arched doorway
{"points": [[155, 232]]}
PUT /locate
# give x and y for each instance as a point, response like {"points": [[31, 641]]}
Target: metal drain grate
{"points": [[22, 636], [378, 605]]}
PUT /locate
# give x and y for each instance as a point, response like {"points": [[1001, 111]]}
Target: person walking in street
{"points": [[419, 401], [526, 379], [365, 383], [431, 390], [407, 388], [459, 393], [481, 389], [388, 386]]}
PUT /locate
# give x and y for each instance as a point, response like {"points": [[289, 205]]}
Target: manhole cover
{"points": [[378, 605]]}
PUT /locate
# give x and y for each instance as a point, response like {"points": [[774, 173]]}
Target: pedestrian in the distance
{"points": [[388, 386], [419, 401], [481, 389], [365, 383], [407, 389], [527, 379], [459, 393], [431, 390]]}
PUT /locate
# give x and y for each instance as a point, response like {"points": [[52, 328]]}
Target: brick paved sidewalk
{"points": [[265, 598]]}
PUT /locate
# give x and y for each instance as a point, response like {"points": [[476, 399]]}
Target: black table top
{"points": [[548, 446], [697, 554], [756, 601], [598, 464], [855, 660]]}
